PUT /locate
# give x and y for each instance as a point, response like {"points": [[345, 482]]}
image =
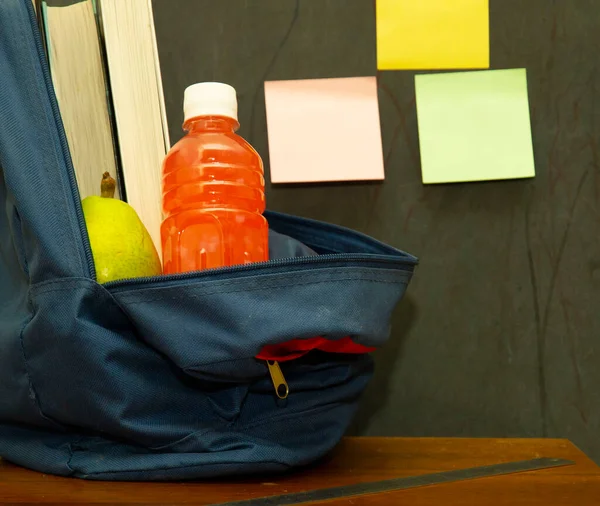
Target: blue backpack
{"points": [[157, 378]]}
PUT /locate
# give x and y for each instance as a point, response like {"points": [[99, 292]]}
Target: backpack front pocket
{"points": [[119, 358]]}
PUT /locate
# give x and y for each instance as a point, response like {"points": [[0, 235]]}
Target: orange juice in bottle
{"points": [[213, 188]]}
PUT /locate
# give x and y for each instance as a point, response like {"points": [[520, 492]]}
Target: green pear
{"points": [[121, 245]]}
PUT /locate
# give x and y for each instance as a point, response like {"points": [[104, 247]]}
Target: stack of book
{"points": [[106, 73]]}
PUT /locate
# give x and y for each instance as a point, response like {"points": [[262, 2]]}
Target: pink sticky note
{"points": [[324, 130]]}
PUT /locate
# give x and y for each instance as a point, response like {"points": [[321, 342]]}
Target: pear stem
{"points": [[107, 187]]}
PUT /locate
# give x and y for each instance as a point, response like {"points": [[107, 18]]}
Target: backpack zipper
{"points": [[365, 260], [282, 389]]}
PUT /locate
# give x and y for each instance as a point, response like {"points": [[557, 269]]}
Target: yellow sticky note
{"points": [[474, 126], [433, 34]]}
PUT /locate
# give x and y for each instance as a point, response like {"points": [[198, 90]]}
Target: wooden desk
{"points": [[355, 460]]}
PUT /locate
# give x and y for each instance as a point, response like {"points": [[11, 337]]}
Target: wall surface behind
{"points": [[499, 334]]}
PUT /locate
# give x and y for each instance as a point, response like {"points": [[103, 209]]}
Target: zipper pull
{"points": [[281, 387]]}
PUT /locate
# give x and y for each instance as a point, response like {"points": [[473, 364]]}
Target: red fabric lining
{"points": [[296, 348]]}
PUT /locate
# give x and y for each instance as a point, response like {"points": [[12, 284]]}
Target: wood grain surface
{"points": [[356, 460]]}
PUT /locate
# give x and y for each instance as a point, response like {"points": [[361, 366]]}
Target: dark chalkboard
{"points": [[499, 334]]}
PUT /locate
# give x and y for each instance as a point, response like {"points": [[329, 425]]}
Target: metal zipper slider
{"points": [[281, 387]]}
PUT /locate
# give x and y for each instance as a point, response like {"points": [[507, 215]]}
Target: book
{"points": [[127, 31], [77, 69]]}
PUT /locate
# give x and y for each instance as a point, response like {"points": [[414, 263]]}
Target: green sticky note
{"points": [[474, 126]]}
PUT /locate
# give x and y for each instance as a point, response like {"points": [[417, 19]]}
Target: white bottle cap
{"points": [[209, 99]]}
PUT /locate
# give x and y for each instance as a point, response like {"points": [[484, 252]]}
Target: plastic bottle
{"points": [[213, 188]]}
